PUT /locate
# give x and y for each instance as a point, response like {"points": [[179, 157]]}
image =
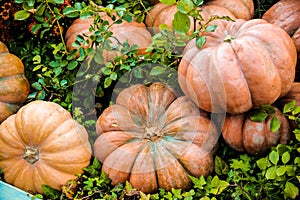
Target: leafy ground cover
{"points": [[54, 72]]}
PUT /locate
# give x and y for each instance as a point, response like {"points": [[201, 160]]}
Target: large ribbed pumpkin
{"points": [[286, 14], [14, 86], [42, 144], [133, 32], [243, 64], [256, 138], [153, 139], [164, 14]]}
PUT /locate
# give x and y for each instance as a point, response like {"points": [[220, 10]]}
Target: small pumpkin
{"points": [[133, 32], [256, 138], [164, 14], [153, 139], [243, 64], [14, 86], [286, 14], [42, 144]]}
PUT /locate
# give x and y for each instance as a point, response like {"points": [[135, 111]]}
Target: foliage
{"points": [[54, 73]]}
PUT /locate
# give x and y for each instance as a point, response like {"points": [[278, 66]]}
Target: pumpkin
{"points": [[42, 144], [242, 65], [155, 140], [14, 86], [286, 14], [133, 32], [256, 138], [164, 14]]}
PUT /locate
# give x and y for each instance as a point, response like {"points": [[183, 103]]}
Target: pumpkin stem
{"points": [[229, 38], [151, 133], [31, 155]]}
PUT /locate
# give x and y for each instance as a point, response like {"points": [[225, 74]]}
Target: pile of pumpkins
{"points": [[152, 137]]}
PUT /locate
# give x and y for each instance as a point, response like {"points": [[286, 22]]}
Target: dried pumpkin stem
{"points": [[229, 38], [31, 155], [151, 133]]}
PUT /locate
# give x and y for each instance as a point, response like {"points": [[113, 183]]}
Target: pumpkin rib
{"points": [[10, 137], [166, 178], [270, 92], [61, 135], [124, 169], [148, 176]]}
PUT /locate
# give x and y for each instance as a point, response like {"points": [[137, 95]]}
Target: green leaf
{"points": [[200, 41], [113, 76], [220, 166], [181, 22], [185, 6], [268, 108], [70, 12], [211, 28], [40, 9], [218, 185], [50, 192], [156, 70], [274, 157], [198, 182], [35, 28], [176, 193], [107, 82], [296, 110], [258, 116], [72, 65], [275, 124], [291, 190], [285, 158], [289, 107], [56, 1], [168, 2], [21, 15], [36, 86], [271, 173], [281, 170], [262, 163]]}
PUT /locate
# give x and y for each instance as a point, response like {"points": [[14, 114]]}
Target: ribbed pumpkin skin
{"points": [[286, 14], [14, 86], [132, 32], [62, 143], [252, 62], [245, 135], [154, 139], [164, 14]]}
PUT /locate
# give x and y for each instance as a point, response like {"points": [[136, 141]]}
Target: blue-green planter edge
{"points": [[9, 192]]}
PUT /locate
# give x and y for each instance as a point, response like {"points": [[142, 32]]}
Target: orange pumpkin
{"points": [[154, 139], [14, 86], [243, 64], [245, 135], [133, 32], [164, 14], [286, 14], [42, 144]]}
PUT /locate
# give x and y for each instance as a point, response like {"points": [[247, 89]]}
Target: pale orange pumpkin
{"points": [[42, 144], [153, 139], [14, 86], [133, 32], [243, 64], [245, 135], [286, 14], [164, 14]]}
